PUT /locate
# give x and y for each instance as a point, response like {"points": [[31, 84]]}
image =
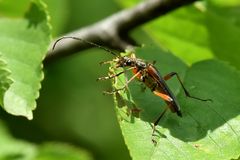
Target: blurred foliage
{"points": [[72, 111], [206, 29], [14, 149]]}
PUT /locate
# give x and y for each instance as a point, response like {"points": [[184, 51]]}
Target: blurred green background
{"points": [[72, 107]]}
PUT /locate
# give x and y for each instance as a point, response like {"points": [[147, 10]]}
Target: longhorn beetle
{"points": [[148, 74]]}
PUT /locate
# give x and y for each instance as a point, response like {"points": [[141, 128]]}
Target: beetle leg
{"points": [[163, 96], [113, 76], [125, 86], [156, 123], [105, 62], [110, 77], [170, 75]]}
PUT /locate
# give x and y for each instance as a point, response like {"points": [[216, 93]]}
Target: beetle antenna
{"points": [[85, 41]]}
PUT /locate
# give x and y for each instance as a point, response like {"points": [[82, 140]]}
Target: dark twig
{"points": [[113, 31]]}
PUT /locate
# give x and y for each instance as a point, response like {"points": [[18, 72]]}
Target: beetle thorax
{"points": [[140, 64], [126, 61]]}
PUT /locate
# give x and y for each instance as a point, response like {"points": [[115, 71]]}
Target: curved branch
{"points": [[113, 31]]}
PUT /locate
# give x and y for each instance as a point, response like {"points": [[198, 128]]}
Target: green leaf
{"points": [[23, 44], [5, 80], [207, 130]]}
